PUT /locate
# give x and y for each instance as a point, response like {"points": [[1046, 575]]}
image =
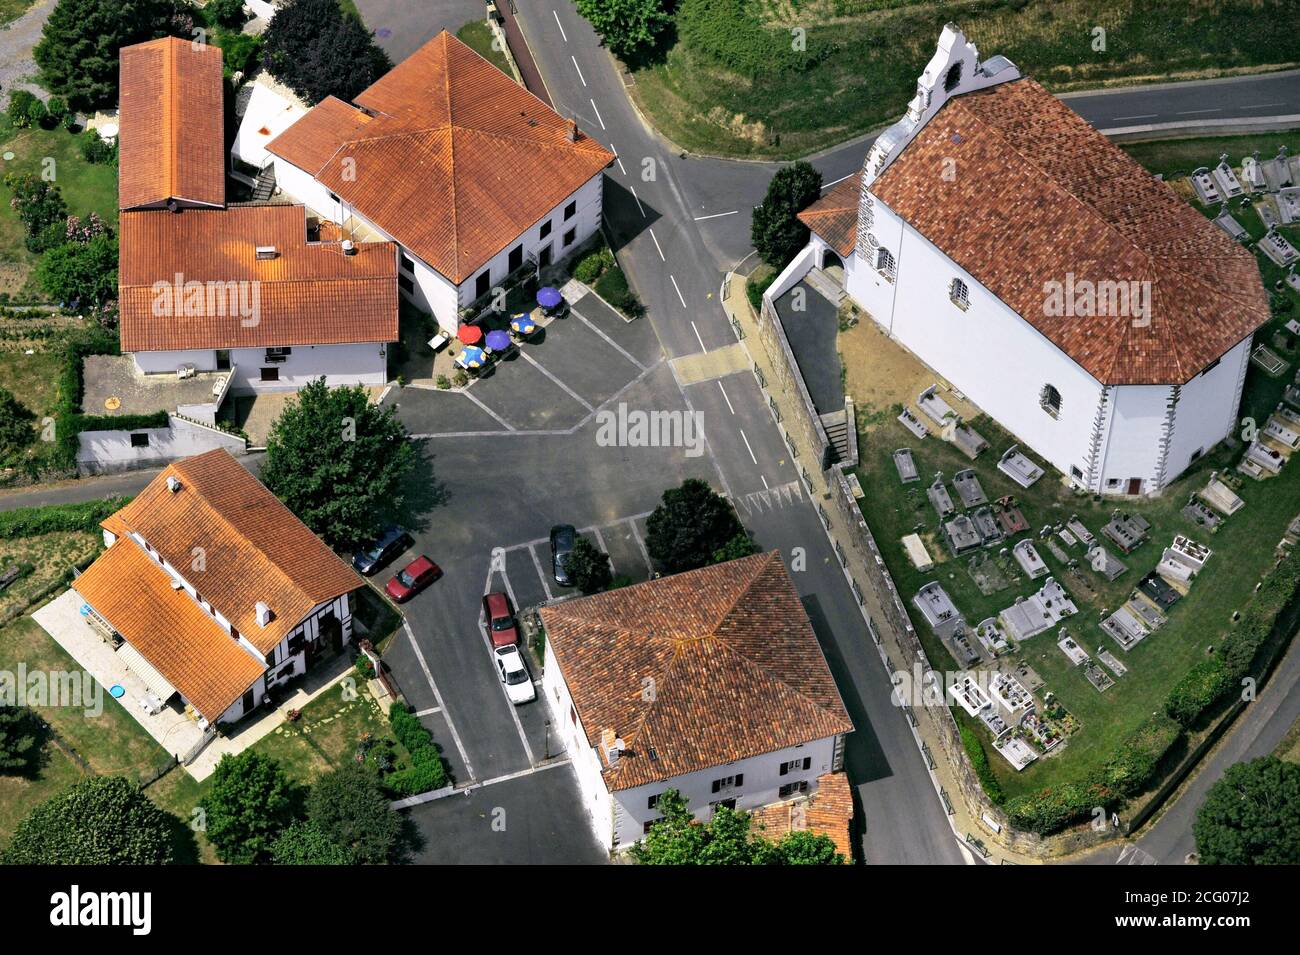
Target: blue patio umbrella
{"points": [[473, 357], [549, 297], [498, 340], [523, 323]]}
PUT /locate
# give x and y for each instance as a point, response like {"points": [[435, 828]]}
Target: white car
{"points": [[514, 675]]}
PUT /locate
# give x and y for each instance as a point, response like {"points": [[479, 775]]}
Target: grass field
{"points": [[86, 188], [51, 556], [1243, 545], [478, 37], [863, 57]]}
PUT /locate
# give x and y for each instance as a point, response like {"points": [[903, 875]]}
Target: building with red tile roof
{"points": [[218, 588], [710, 682], [1045, 275], [474, 178]]}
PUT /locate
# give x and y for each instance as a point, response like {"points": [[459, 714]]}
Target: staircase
{"points": [[837, 430], [265, 186], [825, 286]]}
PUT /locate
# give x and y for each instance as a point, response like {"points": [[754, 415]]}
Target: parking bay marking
{"points": [[540, 576], [419, 655], [547, 372]]}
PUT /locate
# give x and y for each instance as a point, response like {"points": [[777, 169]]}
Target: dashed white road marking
{"points": [[697, 335], [658, 248], [764, 478], [597, 109], [725, 398], [1263, 105], [579, 69], [560, 25], [747, 447], [1192, 112], [614, 150], [1141, 116], [718, 215], [638, 202], [678, 289], [419, 655]]}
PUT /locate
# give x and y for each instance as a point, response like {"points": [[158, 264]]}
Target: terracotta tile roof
{"points": [[1038, 195], [734, 667], [253, 548], [309, 294], [170, 124], [456, 162], [834, 217], [828, 811], [170, 630]]}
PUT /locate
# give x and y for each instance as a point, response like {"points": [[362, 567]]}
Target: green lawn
{"points": [[1243, 547], [85, 188], [1178, 157], [478, 37], [863, 57]]}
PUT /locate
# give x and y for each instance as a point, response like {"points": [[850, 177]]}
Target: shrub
{"points": [[84, 274], [25, 110], [427, 770], [250, 803], [775, 230], [55, 518], [102, 820], [304, 844], [980, 761], [593, 265], [38, 203], [347, 808], [95, 149], [56, 111], [239, 51], [225, 13], [613, 288], [16, 431]]}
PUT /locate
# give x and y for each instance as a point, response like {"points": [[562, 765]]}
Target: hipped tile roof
{"points": [[1037, 195], [172, 143], [696, 670], [834, 217], [447, 154], [309, 294]]}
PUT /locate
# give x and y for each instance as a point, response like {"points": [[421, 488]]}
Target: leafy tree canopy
{"points": [[317, 50], [776, 231], [589, 567], [1251, 816], [348, 808], [337, 461], [304, 844], [250, 803], [628, 27], [102, 820], [691, 526], [84, 272]]}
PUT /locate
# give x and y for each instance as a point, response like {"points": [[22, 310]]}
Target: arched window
{"points": [[885, 263], [952, 78], [1050, 400]]}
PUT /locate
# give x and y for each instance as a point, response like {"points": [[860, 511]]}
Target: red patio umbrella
{"points": [[470, 334]]}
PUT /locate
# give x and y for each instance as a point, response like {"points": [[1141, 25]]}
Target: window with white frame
{"points": [[1049, 399], [959, 293], [885, 263]]}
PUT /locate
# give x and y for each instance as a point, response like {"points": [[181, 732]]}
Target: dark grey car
{"points": [[388, 545], [562, 538]]}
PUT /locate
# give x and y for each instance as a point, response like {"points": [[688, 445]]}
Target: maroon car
{"points": [[500, 621], [413, 578]]}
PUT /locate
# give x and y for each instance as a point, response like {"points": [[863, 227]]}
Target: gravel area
{"points": [[16, 42]]}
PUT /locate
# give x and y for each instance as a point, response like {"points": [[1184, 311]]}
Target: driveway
{"points": [[403, 26], [16, 43]]}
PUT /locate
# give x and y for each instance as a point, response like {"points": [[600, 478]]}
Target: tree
{"points": [[628, 27], [726, 839], [589, 567], [76, 272], [739, 546], [690, 526], [348, 808], [16, 433], [102, 820], [304, 844], [80, 43], [39, 203], [317, 50], [1251, 816], [25, 110], [776, 231], [21, 737], [225, 13], [250, 803], [337, 461]]}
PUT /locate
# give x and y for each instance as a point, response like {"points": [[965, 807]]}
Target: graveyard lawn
{"points": [[1243, 551]]}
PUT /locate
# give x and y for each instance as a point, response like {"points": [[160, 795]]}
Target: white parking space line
{"points": [[658, 248], [678, 290], [718, 215], [605, 550], [747, 447], [697, 337], [645, 554], [514, 712], [419, 655], [597, 109], [609, 341], [725, 398], [560, 25], [546, 371], [495, 417], [540, 575], [579, 69]]}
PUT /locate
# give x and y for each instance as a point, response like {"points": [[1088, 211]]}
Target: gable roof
{"points": [[172, 632], [447, 154], [1040, 195], [834, 217], [309, 294], [253, 548], [170, 125], [733, 662]]}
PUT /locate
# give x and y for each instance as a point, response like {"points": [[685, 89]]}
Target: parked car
{"points": [[514, 675], [562, 538], [381, 551], [500, 621], [413, 578]]}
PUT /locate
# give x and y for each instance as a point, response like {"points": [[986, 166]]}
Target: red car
{"points": [[413, 578], [500, 621]]}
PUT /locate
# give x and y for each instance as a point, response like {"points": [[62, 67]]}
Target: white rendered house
{"points": [[473, 177], [1043, 273], [709, 682]]}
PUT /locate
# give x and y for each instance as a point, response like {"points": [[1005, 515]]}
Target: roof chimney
{"points": [[173, 483], [264, 614], [349, 247], [570, 130], [612, 746]]}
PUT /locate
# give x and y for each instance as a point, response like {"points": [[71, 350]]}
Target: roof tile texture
{"points": [[834, 217]]}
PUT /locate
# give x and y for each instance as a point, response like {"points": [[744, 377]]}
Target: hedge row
{"points": [[1214, 678], [426, 771], [31, 521], [980, 760], [727, 32]]}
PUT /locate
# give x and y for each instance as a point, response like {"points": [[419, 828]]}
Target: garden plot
{"points": [[989, 573]]}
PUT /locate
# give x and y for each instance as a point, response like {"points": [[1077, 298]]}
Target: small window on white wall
{"points": [[885, 263], [959, 293], [1049, 399]]}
